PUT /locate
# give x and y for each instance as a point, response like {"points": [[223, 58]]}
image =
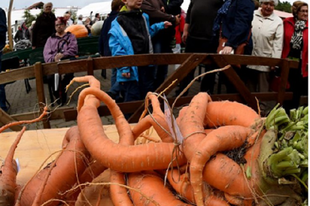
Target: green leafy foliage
{"points": [[284, 6], [290, 151]]}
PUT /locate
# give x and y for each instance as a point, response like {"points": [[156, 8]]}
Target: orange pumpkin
{"points": [[77, 30]]}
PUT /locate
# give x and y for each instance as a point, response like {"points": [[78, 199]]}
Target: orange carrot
{"points": [[152, 190], [92, 81], [222, 139], [191, 123], [233, 181], [181, 184], [183, 187], [8, 174], [119, 195], [50, 182], [157, 119], [118, 157], [45, 112], [229, 113]]}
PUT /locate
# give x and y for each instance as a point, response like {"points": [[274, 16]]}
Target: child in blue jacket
{"points": [[131, 34]]}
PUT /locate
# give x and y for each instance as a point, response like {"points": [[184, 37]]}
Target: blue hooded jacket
{"points": [[120, 45]]}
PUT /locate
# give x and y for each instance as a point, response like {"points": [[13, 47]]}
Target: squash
{"points": [[96, 28], [77, 30]]}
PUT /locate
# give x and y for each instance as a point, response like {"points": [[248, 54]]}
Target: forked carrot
{"points": [[191, 124], [224, 138], [157, 119]]}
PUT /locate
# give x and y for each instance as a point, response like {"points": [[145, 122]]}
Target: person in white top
{"points": [[80, 20], [267, 37], [67, 16]]}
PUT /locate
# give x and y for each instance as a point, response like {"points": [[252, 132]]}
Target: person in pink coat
{"points": [[295, 46]]}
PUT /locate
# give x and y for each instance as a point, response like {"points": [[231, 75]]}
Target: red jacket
{"points": [[179, 28], [289, 24]]}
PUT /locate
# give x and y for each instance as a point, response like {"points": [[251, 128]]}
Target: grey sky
{"points": [[21, 4]]}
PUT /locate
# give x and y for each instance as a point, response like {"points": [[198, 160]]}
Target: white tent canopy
{"points": [[103, 8], [185, 5], [17, 15]]}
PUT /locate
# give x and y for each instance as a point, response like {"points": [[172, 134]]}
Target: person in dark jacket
{"points": [[3, 30], [22, 33], [44, 26], [234, 22], [104, 49], [198, 38]]}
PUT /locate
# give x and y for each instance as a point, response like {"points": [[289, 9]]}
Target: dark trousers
{"points": [[199, 46], [2, 91], [146, 80], [130, 91], [60, 92], [162, 44], [299, 87]]}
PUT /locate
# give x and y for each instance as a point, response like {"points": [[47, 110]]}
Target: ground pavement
{"points": [[21, 102]]}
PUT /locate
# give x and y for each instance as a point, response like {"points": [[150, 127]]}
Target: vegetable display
{"points": [[77, 30], [214, 153]]}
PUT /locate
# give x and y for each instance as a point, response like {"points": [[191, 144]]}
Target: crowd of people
{"points": [[155, 26]]}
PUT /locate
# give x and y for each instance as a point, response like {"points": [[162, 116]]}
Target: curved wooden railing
{"points": [[188, 62]]}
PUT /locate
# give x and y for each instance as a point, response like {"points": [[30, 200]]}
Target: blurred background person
{"points": [[59, 46], [67, 16], [267, 38], [160, 11], [295, 46], [44, 26], [96, 18], [104, 49], [22, 33], [178, 36], [233, 22], [80, 20], [198, 38], [3, 30], [88, 25]]}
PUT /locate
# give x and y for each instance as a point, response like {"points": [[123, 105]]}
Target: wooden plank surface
{"points": [[36, 146]]}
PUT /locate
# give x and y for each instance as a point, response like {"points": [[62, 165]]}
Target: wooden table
{"points": [[36, 146]]}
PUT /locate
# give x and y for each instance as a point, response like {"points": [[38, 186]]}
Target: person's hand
{"points": [[226, 50], [177, 19], [167, 24], [184, 36], [272, 68], [126, 75], [33, 47], [58, 57], [163, 9]]}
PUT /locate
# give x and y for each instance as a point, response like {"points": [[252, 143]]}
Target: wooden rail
{"points": [[188, 62]]}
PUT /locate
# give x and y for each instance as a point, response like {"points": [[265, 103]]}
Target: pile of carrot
{"points": [[214, 160]]}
